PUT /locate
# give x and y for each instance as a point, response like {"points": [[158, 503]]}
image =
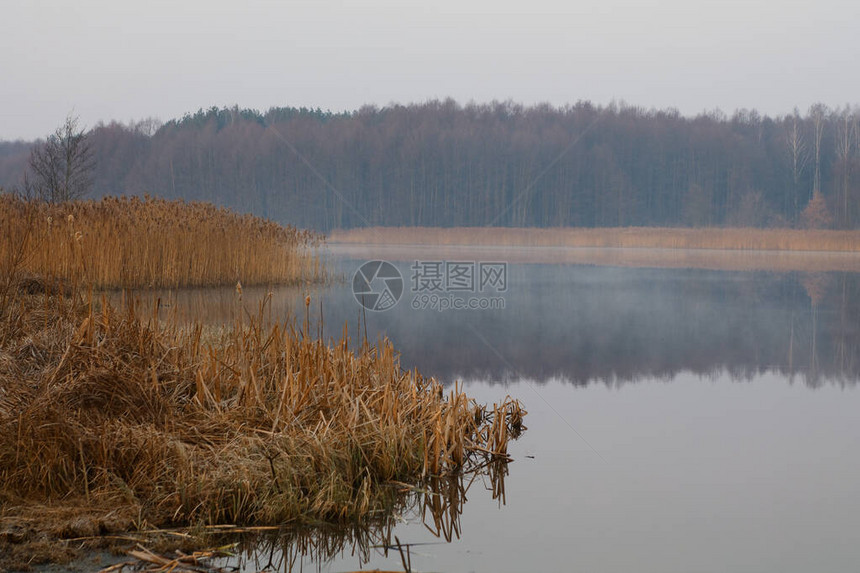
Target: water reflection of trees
{"points": [[610, 325], [616, 326], [437, 503]]}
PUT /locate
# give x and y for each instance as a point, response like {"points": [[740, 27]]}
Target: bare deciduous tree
{"points": [[63, 165], [846, 141], [818, 114], [816, 215], [798, 156]]}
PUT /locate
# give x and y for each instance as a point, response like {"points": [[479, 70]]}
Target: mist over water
{"points": [[679, 420], [589, 324]]}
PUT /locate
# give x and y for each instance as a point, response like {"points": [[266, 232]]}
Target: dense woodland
{"points": [[443, 164]]}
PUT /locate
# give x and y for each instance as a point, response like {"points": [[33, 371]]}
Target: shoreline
{"points": [[638, 257], [709, 238], [779, 250]]}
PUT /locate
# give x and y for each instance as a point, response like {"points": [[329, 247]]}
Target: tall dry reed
{"points": [[134, 242]]}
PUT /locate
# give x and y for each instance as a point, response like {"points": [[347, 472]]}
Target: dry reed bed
{"points": [[713, 259], [133, 242], [631, 237], [155, 425]]}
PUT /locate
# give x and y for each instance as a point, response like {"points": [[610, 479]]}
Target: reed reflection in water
{"points": [[438, 504]]}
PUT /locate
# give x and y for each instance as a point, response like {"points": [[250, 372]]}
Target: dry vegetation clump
{"points": [[107, 411], [134, 242], [627, 237]]}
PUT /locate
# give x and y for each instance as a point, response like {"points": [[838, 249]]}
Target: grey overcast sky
{"points": [[118, 60]]}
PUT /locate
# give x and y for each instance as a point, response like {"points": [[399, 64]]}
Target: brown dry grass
{"points": [[133, 242], [105, 410], [634, 237], [112, 421]]}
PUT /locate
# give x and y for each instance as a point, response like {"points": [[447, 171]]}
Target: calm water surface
{"points": [[679, 420]]}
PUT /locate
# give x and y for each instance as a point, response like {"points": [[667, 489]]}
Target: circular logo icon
{"points": [[377, 285]]}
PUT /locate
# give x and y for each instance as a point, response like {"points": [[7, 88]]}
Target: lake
{"points": [[679, 419]]}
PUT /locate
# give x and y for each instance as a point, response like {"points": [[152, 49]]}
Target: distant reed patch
{"points": [[621, 237]]}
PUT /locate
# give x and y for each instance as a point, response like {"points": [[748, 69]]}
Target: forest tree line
{"points": [[440, 163]]}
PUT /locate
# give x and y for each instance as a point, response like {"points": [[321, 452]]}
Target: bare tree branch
{"points": [[63, 165]]}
